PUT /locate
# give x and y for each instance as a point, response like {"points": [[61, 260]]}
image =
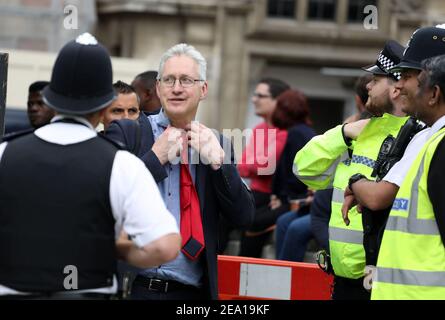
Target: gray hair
{"points": [[187, 50], [435, 70]]}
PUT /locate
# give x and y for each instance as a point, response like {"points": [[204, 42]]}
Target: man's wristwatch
{"points": [[354, 178]]}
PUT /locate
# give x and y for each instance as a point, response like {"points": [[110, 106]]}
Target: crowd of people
{"points": [[141, 209]]}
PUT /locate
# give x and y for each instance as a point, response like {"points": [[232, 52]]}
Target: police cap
{"points": [[389, 57], [425, 43], [82, 78]]}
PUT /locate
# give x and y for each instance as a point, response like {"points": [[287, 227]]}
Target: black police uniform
{"points": [[54, 199]]}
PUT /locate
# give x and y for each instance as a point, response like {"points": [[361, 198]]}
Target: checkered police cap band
{"points": [[385, 63]]}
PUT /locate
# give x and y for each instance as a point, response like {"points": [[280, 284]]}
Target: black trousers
{"points": [[349, 289]]}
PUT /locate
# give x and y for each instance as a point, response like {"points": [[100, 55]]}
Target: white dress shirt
{"points": [[398, 172]]}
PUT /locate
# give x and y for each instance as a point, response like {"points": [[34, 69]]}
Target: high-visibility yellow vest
{"points": [[324, 162], [411, 262], [346, 242]]}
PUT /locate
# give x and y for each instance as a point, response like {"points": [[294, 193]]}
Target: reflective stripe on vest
{"points": [[411, 277], [346, 242], [412, 224], [338, 195], [345, 235]]}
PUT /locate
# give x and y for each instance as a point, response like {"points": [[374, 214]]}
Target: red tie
{"points": [[191, 223]]}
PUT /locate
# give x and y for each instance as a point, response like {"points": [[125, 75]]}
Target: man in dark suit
{"points": [[197, 192]]}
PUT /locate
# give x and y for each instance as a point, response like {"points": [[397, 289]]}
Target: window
{"points": [[322, 9], [355, 9], [281, 8]]}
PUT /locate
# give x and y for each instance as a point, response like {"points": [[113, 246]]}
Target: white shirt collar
{"points": [[437, 125], [68, 116], [66, 133]]}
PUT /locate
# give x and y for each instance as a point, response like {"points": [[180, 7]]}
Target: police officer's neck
{"points": [[94, 118]]}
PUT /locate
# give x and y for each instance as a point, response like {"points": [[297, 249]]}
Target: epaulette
{"points": [[117, 144], [17, 134]]}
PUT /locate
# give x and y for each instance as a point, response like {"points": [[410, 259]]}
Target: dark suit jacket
{"points": [[221, 192]]}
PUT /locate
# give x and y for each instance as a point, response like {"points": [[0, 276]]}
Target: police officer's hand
{"points": [[352, 130], [348, 203], [205, 142], [168, 146]]}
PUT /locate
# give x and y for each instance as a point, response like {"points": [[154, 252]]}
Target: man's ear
{"points": [[436, 95], [204, 91], [147, 93], [359, 104], [158, 88], [395, 92], [102, 112]]}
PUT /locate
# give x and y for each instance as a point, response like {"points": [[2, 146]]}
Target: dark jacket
{"points": [[320, 215], [285, 185], [220, 192]]}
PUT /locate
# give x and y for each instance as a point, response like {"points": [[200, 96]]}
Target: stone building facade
{"points": [[317, 46]]}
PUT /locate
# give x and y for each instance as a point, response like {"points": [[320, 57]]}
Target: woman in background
{"points": [[291, 114]]}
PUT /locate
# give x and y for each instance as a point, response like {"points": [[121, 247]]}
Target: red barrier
{"points": [[250, 278]]}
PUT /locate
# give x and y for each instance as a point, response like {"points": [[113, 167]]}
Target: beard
{"points": [[377, 107]]}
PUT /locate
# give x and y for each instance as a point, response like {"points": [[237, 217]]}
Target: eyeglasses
{"points": [[185, 82], [261, 96]]}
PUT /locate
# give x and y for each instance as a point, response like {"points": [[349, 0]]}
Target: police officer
{"points": [[425, 43], [330, 159], [66, 193], [412, 256]]}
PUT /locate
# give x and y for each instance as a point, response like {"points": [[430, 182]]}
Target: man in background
{"points": [[145, 86], [360, 98], [39, 113], [126, 105]]}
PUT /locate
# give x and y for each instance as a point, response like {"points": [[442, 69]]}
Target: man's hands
{"points": [[352, 130], [348, 203], [205, 142], [275, 202], [296, 205], [169, 145]]}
